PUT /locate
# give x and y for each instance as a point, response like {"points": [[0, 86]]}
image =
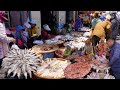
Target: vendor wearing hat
{"points": [[102, 29], [102, 18], [19, 36], [46, 32], [33, 32], [4, 39], [96, 19], [108, 28], [79, 22]]}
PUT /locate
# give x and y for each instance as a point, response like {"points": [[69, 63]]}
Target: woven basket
{"points": [[60, 45], [48, 77], [44, 77], [37, 48], [60, 56], [40, 56], [63, 50]]}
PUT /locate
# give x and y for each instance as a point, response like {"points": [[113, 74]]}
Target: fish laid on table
{"points": [[67, 37]]}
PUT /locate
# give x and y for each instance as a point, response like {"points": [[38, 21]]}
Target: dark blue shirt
{"points": [[78, 23], [115, 57]]}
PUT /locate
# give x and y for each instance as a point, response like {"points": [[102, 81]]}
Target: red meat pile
{"points": [[77, 70]]}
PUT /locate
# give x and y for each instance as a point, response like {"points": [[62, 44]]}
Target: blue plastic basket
{"points": [[48, 55]]}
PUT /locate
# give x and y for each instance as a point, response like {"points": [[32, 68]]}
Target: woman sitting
{"points": [[33, 33], [46, 33], [19, 37]]}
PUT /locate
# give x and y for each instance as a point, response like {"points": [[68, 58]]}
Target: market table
{"points": [[46, 53]]}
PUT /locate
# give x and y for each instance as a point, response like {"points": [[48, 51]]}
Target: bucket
{"points": [[48, 55]]}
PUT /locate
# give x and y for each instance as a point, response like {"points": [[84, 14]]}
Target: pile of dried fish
{"points": [[95, 75], [76, 34], [58, 37], [87, 34], [2, 74], [102, 69], [84, 29], [52, 68], [67, 37], [54, 41], [100, 63], [73, 44], [80, 39], [20, 62]]}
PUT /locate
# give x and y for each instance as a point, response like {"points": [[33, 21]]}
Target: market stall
{"points": [[58, 58]]}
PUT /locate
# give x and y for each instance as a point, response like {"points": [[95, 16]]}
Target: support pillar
{"points": [[36, 16], [60, 17]]}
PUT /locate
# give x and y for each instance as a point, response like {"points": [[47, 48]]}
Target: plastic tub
{"points": [[48, 55]]}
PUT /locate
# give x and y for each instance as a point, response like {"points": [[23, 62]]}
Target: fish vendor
{"points": [[114, 57]]}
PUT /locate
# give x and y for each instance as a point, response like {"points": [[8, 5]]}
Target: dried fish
{"points": [[20, 62], [95, 75], [52, 68], [74, 44], [2, 73]]}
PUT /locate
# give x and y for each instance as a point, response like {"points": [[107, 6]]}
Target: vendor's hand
{"points": [[107, 65], [108, 54], [49, 36], [96, 61], [13, 40], [35, 37]]}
